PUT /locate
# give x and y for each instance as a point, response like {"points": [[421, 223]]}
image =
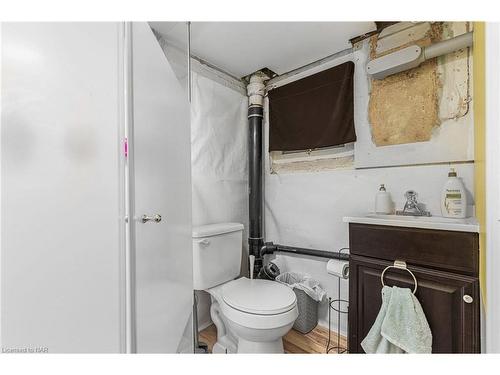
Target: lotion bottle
{"points": [[383, 201], [454, 197]]}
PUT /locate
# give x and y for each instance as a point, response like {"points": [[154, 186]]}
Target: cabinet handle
{"points": [[468, 299]]}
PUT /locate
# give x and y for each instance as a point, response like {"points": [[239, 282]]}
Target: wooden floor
{"points": [[294, 342]]}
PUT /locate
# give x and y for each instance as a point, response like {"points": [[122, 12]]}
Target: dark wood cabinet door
{"points": [[454, 323]]}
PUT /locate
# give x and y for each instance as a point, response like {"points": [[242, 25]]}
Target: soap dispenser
{"points": [[383, 201], [454, 197]]}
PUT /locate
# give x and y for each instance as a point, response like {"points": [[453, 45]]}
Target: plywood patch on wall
{"points": [[404, 108]]}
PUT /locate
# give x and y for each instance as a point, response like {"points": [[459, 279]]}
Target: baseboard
{"points": [[324, 324]]}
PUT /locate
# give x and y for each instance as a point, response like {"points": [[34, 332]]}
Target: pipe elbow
{"points": [[256, 88], [267, 248]]}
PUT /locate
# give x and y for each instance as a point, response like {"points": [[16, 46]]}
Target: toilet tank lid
{"points": [[216, 229]]}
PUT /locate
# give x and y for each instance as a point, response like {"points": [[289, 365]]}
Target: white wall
{"points": [[306, 209]]}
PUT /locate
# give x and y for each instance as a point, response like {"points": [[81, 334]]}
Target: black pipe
{"points": [[270, 248], [255, 237]]}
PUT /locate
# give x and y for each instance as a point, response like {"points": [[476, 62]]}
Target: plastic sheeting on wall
{"points": [[219, 153], [219, 148]]}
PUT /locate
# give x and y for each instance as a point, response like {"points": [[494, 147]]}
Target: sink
{"points": [[426, 222], [431, 219]]}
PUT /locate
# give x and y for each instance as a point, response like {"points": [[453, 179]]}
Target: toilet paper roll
{"points": [[339, 268]]}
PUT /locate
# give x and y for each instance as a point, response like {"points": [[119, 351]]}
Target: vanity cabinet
{"points": [[445, 264]]}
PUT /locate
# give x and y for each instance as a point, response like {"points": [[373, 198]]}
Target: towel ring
{"points": [[401, 265]]}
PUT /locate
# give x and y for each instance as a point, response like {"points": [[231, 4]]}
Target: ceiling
{"points": [[241, 48]]}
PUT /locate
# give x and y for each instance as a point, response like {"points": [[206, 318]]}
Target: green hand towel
{"points": [[400, 326]]}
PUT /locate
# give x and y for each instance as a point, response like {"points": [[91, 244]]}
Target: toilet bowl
{"points": [[251, 316], [256, 314]]}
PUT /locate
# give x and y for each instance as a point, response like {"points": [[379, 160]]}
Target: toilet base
{"points": [[271, 347], [233, 337]]}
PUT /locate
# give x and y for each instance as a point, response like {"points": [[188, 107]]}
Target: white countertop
{"points": [[433, 222]]}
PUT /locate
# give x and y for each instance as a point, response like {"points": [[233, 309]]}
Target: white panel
{"points": [[493, 187], [164, 283], [241, 48], [60, 229]]}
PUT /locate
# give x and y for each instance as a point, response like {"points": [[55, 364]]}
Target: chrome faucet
{"points": [[411, 207]]}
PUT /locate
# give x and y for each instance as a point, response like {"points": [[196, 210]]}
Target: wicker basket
{"points": [[308, 312], [307, 306]]}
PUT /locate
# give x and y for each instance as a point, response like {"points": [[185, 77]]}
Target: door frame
{"points": [[127, 190], [492, 88]]}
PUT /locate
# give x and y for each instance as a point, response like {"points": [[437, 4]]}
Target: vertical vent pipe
{"points": [[255, 92]]}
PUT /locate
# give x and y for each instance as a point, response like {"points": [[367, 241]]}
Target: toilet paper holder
{"points": [[341, 308]]}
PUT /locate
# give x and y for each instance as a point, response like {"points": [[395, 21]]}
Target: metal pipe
{"points": [[255, 236], [255, 91], [270, 248], [255, 114], [448, 46], [412, 56]]}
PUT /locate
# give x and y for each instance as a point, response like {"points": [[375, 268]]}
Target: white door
{"points": [[60, 250], [161, 164]]}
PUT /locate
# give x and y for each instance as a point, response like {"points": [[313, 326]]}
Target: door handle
{"points": [[156, 218]]}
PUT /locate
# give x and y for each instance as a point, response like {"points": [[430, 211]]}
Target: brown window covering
{"points": [[313, 112]]}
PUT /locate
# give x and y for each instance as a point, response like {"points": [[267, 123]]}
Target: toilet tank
{"points": [[217, 250]]}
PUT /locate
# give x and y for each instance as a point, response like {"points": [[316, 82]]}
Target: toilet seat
{"points": [[257, 296], [258, 304], [255, 321]]}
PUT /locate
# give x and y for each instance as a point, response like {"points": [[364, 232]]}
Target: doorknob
{"points": [[468, 299], [156, 218]]}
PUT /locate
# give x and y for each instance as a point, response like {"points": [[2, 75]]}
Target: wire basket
{"points": [[308, 312]]}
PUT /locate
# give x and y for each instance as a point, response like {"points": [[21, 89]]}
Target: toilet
{"points": [[251, 316]]}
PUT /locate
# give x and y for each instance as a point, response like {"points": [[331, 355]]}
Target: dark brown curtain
{"points": [[313, 112]]}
